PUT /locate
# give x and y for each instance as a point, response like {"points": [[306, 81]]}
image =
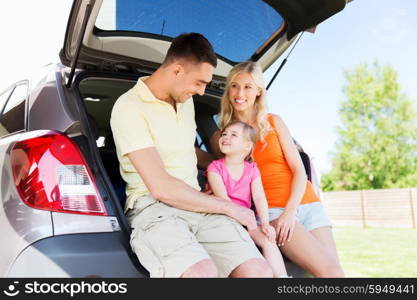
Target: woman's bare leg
{"points": [[325, 236], [310, 253]]}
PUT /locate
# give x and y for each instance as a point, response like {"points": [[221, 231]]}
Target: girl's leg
{"points": [[310, 253], [270, 251]]}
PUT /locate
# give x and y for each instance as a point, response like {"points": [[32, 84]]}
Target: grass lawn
{"points": [[377, 252]]}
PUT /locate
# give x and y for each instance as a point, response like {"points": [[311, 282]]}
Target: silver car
{"points": [[62, 196]]}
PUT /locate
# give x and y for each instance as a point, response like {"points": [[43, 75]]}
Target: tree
{"points": [[377, 146]]}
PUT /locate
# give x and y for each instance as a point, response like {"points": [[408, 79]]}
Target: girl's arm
{"points": [[216, 184], [259, 199], [285, 224], [261, 205]]}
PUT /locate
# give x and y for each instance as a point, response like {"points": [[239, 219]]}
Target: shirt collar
{"points": [[143, 91], [145, 94]]}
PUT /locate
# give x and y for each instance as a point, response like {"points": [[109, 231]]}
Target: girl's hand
{"points": [[284, 227], [269, 231]]}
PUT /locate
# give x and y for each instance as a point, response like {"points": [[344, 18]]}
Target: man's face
{"points": [[192, 78]]}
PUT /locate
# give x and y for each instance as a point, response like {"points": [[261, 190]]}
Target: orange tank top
{"points": [[276, 175]]}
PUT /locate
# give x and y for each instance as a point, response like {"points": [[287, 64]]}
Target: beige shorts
{"points": [[168, 240]]}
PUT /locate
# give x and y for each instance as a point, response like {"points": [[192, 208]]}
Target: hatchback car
{"points": [[62, 194]]}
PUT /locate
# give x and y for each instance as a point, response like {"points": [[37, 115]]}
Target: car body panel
{"points": [[21, 225], [73, 223], [77, 255], [48, 96]]}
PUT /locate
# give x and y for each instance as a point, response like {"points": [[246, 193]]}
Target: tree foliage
{"points": [[377, 146]]}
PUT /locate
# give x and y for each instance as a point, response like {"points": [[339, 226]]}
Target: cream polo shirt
{"points": [[138, 121]]}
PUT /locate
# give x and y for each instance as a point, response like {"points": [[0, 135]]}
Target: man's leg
{"points": [[204, 268], [166, 247], [255, 267], [231, 248]]}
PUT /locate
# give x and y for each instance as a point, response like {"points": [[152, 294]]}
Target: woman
{"points": [[303, 230]]}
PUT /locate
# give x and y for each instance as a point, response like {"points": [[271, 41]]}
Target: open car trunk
{"points": [[133, 36]]}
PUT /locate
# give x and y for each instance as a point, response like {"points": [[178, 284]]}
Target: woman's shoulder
{"points": [[276, 121], [274, 117]]}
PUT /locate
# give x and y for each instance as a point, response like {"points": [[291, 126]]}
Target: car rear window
{"points": [[235, 28]]}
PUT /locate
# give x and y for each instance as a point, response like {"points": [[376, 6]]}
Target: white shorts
{"points": [[311, 215]]}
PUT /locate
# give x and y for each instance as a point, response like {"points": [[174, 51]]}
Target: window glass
{"points": [[235, 28], [3, 98], [12, 118]]}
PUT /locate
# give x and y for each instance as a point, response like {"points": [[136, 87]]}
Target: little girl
{"points": [[236, 177]]}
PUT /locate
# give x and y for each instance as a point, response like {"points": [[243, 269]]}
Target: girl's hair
{"points": [[249, 133], [226, 110]]}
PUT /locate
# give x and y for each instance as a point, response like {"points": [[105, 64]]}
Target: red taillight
{"points": [[50, 173]]}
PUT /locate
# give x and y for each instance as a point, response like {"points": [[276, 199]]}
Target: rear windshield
{"points": [[235, 28]]}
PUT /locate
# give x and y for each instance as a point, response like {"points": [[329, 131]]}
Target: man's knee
{"points": [[204, 268], [255, 267]]}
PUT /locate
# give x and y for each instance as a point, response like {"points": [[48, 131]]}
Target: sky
{"points": [[309, 90], [306, 94]]}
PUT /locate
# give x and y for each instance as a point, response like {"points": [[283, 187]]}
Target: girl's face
{"points": [[233, 140], [243, 92]]}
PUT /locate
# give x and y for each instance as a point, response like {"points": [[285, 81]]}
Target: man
{"points": [[177, 231]]}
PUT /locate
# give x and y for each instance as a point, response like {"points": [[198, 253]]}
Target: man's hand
{"points": [[243, 215]]}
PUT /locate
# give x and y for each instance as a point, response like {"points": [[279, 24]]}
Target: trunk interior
{"points": [[99, 92]]}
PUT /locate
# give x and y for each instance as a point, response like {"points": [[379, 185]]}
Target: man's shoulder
{"points": [[126, 108], [126, 102]]}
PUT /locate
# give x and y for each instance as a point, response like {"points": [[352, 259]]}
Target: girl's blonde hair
{"points": [[250, 134], [226, 110]]}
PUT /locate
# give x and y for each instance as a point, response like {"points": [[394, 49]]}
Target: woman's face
{"points": [[243, 92]]}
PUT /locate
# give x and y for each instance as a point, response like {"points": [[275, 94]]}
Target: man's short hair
{"points": [[192, 46]]}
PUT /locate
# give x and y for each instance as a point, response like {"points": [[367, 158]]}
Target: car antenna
{"points": [[79, 43], [284, 61]]}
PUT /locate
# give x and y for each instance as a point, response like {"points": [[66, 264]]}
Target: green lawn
{"points": [[377, 252]]}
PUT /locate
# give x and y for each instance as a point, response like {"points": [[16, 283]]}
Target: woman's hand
{"points": [[284, 227], [269, 231]]}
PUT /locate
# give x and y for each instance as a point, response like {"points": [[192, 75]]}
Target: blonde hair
{"points": [[226, 110], [250, 134]]}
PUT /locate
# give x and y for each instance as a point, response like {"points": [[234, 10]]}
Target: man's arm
{"points": [[177, 193]]}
